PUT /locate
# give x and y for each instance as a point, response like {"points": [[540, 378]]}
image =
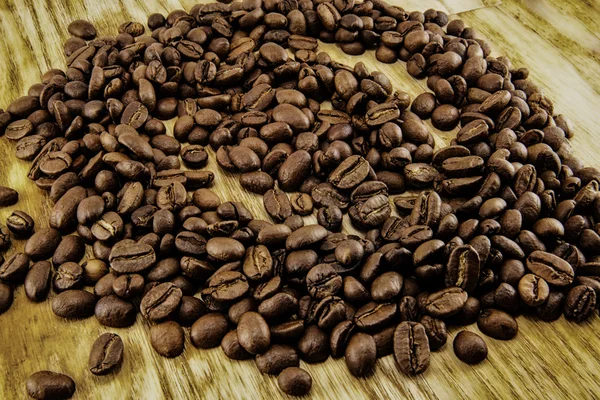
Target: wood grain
{"points": [[558, 40]]}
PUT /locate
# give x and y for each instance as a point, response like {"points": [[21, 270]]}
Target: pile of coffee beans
{"points": [[501, 222]]}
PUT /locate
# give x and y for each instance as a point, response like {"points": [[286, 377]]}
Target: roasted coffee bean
{"points": [[14, 269], [277, 358], [131, 257], [463, 268], [8, 196], [209, 330], [580, 303], [46, 385], [253, 333], [106, 354], [20, 224], [161, 301], [74, 304], [294, 381], [37, 281], [361, 354], [68, 276], [411, 347], [115, 312], [6, 297], [167, 339], [372, 316], [469, 347], [533, 290], [446, 302], [350, 173], [313, 346], [554, 270], [497, 324]]}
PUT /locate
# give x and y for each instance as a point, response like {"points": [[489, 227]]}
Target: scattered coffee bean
{"points": [[469, 347]]}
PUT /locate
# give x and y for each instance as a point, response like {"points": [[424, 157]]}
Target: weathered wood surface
{"points": [[558, 40]]}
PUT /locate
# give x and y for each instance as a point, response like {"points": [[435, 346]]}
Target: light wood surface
{"points": [[558, 40]]}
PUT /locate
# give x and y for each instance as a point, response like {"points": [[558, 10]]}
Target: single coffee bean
{"points": [[6, 297], [37, 281], [580, 303], [411, 348], [277, 358], [497, 324], [130, 258], [209, 330], [551, 268], [361, 354], [14, 269], [167, 339], [115, 312], [48, 385], [20, 224], [313, 346], [463, 268], [72, 304], [106, 354], [294, 381], [446, 302], [533, 290], [253, 333], [8, 196], [161, 301], [68, 276], [469, 347]]}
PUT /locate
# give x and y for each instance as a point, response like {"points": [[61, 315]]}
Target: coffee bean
{"points": [[209, 330], [72, 304], [68, 276], [8, 196], [551, 268], [276, 359], [37, 281], [446, 302], [361, 354], [463, 268], [46, 385], [294, 381], [277, 204], [497, 324], [20, 224], [533, 290], [115, 312], [161, 301], [411, 348], [106, 354], [167, 339], [14, 269], [350, 173], [469, 347], [313, 346], [6, 297], [580, 303]]}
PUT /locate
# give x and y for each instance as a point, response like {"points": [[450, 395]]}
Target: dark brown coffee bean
{"points": [[411, 348], [14, 269], [446, 302], [497, 324], [463, 268], [469, 347], [68, 276], [74, 304], [37, 281], [313, 346], [372, 316], [47, 385], [306, 236], [533, 290], [209, 330], [580, 303], [115, 312], [294, 381], [361, 354], [253, 333], [20, 224], [6, 297], [8, 196], [106, 354], [131, 257], [258, 263], [277, 204], [161, 301], [323, 281], [167, 339], [231, 347], [551, 268], [350, 173], [276, 359]]}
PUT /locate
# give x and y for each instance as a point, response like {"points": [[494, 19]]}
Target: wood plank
{"points": [[561, 357]]}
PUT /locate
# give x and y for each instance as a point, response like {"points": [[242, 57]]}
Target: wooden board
{"points": [[557, 39]]}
